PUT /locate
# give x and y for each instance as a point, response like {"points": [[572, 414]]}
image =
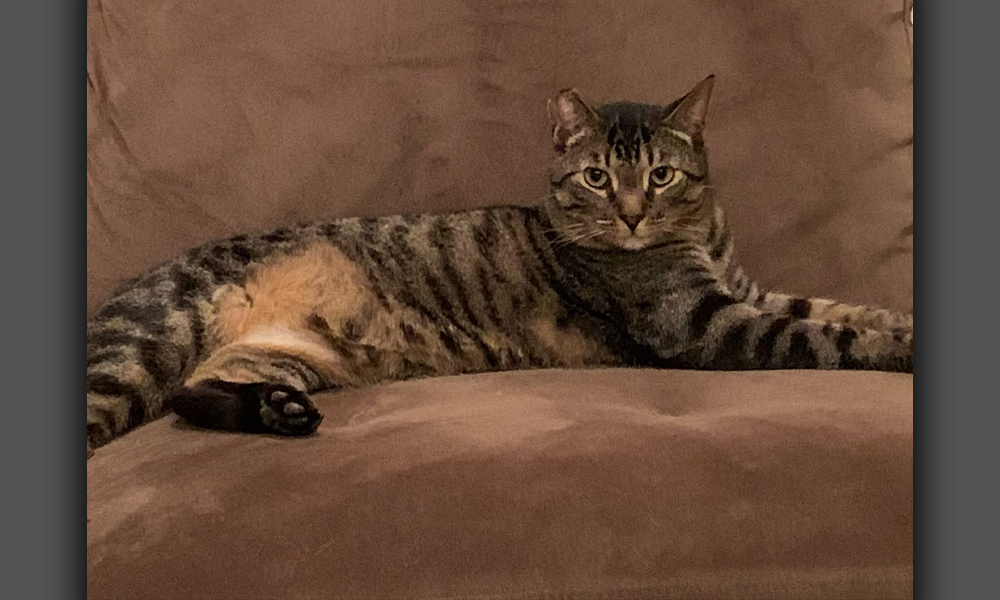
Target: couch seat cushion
{"points": [[568, 484]]}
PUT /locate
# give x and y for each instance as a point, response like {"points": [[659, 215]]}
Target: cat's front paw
{"points": [[287, 411]]}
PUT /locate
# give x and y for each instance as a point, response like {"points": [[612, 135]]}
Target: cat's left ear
{"points": [[571, 119], [690, 115]]}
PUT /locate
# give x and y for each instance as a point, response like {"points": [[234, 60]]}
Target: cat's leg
{"points": [[260, 384], [716, 331], [748, 291], [823, 309], [247, 407]]}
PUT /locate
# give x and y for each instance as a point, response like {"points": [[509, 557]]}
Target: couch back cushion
{"points": [[213, 117]]}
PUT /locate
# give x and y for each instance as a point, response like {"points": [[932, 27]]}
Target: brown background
{"points": [[211, 117]]}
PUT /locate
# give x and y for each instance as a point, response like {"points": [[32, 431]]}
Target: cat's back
{"points": [[475, 266]]}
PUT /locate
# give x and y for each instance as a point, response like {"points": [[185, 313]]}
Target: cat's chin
{"points": [[633, 243], [628, 244]]}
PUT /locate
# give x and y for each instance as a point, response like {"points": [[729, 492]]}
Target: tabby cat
{"points": [[628, 262]]}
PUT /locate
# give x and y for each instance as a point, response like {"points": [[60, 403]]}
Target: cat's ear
{"points": [[690, 114], [571, 119]]}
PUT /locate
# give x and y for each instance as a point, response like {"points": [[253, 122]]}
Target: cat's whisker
{"points": [[565, 240], [570, 226], [563, 236], [595, 232]]}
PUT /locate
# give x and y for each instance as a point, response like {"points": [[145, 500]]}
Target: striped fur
{"points": [[628, 262]]}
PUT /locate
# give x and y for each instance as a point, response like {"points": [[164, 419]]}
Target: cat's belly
{"points": [[322, 307]]}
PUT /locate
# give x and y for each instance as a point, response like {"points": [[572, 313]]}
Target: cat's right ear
{"points": [[571, 119], [691, 112]]}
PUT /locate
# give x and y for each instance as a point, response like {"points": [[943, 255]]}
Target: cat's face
{"points": [[629, 176]]}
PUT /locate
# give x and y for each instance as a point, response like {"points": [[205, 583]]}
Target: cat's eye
{"points": [[661, 176], [596, 178]]}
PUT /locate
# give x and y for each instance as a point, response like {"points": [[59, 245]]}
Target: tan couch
{"points": [[211, 117]]}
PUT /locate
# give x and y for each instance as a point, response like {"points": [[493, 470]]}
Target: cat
{"points": [[627, 262]]}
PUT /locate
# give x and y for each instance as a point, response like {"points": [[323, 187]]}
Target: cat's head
{"points": [[629, 176]]}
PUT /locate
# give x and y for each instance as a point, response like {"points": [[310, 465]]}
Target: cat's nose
{"points": [[632, 220]]}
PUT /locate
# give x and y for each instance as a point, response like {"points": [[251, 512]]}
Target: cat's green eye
{"points": [[661, 176], [596, 178]]}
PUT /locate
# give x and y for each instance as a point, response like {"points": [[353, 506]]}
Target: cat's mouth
{"points": [[607, 234], [622, 240], [635, 237]]}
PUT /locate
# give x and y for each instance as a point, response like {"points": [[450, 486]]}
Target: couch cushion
{"points": [[575, 484], [213, 117]]}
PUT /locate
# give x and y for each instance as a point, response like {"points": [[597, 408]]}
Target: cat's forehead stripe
{"points": [[626, 141], [680, 134], [630, 129]]}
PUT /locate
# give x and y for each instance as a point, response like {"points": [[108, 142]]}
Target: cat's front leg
{"points": [[750, 292], [823, 309], [715, 331]]}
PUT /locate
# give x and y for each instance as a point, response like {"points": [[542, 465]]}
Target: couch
{"points": [[210, 118]]}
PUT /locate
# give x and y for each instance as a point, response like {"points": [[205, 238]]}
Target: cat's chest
{"points": [[558, 336]]}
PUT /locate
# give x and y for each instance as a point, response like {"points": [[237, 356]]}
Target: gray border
{"points": [[42, 58], [957, 209]]}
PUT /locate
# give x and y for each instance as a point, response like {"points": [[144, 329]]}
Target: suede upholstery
{"points": [[214, 117], [209, 118], [604, 483]]}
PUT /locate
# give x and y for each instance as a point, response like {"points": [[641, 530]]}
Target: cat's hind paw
{"points": [[247, 407], [288, 411]]}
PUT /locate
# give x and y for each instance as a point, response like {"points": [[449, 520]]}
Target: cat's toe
{"points": [[288, 411]]}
